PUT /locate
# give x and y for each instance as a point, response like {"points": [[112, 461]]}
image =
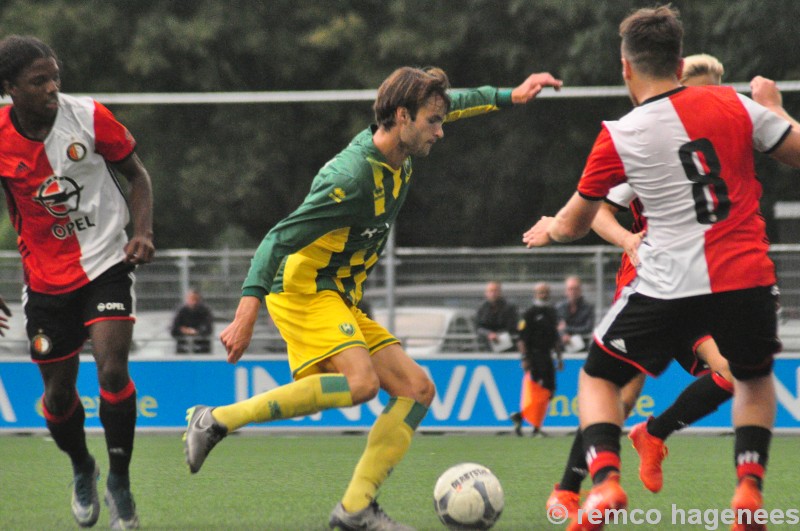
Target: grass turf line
{"points": [[292, 482]]}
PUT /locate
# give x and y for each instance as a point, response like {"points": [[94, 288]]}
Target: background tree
{"points": [[224, 174]]}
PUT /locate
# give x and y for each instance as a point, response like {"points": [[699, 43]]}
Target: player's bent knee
{"points": [[59, 399], [113, 377], [363, 388], [424, 391]]}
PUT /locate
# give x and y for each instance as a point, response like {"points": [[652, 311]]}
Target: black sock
{"points": [[117, 482], [575, 471], [69, 435], [702, 397], [601, 447], [119, 421], [751, 452]]}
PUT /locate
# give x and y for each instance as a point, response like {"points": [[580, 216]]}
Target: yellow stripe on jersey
{"points": [[300, 271], [339, 285], [357, 294], [470, 112], [379, 194], [398, 182], [359, 279], [355, 260], [361, 276], [377, 175]]}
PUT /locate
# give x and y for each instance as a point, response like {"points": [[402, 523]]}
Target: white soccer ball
{"points": [[468, 496]]}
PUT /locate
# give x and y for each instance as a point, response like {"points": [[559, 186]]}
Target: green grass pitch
{"points": [[291, 482]]}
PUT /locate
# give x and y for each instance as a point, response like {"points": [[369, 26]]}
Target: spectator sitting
{"points": [[496, 321], [576, 317], [193, 325]]}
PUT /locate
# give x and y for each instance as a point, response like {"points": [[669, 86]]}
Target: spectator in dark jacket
{"points": [[496, 321], [576, 317], [193, 325]]}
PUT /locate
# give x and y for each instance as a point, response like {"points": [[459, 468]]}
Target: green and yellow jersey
{"points": [[337, 234]]}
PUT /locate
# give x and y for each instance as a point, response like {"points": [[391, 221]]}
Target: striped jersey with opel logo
{"points": [[64, 202], [337, 234], [688, 155]]}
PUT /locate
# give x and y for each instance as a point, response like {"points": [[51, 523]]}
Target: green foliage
{"points": [[238, 169]]}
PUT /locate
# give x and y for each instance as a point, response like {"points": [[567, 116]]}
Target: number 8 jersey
{"points": [[64, 200], [688, 155]]}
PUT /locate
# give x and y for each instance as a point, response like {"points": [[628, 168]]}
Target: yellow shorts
{"points": [[318, 325]]}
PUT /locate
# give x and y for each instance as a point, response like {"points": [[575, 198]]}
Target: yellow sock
{"points": [[304, 397], [387, 443]]}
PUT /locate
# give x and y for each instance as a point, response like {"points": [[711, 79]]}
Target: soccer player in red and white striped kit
{"points": [[59, 160], [687, 152]]}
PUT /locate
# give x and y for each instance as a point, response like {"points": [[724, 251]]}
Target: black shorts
{"points": [[57, 325], [647, 333], [687, 356]]}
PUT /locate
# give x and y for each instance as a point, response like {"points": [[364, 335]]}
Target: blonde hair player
{"points": [[701, 69]]}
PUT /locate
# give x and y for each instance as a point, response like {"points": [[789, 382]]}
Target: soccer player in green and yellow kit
{"points": [[310, 269]]}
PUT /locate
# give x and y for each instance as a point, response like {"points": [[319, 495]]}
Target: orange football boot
{"points": [[604, 496], [563, 501], [747, 498], [652, 452]]}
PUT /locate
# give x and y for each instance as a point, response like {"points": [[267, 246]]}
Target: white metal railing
{"points": [[436, 277]]}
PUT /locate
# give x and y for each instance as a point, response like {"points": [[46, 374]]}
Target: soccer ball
{"points": [[468, 496]]}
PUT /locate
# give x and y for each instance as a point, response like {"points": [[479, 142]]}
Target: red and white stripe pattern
{"points": [[64, 201], [688, 156]]}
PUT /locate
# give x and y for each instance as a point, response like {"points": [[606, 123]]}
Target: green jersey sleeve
{"points": [[335, 201], [472, 102]]}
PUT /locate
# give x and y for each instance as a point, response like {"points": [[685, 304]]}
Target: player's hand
{"points": [[4, 318], [630, 244], [537, 235], [140, 250], [237, 335], [236, 338], [532, 86], [766, 92]]}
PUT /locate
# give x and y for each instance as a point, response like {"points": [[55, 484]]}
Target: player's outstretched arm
{"points": [[606, 226], [237, 335], [788, 152], [571, 223], [532, 86], [765, 91], [538, 235]]}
